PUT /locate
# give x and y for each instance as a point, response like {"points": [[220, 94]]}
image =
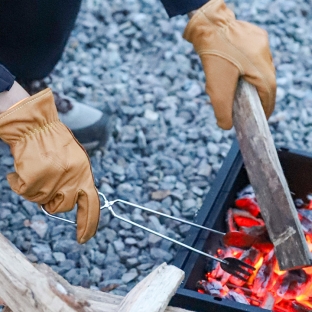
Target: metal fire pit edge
{"points": [[231, 178]]}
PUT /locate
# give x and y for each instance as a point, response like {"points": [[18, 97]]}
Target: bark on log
{"points": [[25, 287], [268, 180]]}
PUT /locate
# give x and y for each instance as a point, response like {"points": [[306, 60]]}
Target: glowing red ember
{"points": [[289, 291]]}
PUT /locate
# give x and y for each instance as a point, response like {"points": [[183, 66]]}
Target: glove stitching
{"points": [[38, 130], [222, 35], [20, 107], [224, 56]]}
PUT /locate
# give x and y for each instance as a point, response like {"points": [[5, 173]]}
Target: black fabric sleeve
{"points": [[180, 7], [6, 79]]}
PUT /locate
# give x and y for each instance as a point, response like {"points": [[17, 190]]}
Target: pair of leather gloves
{"points": [[52, 169]]}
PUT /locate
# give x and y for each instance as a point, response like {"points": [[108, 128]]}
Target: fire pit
{"points": [[231, 179]]}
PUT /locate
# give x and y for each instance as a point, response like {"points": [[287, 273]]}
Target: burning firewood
{"points": [[305, 217], [235, 296], [212, 287], [297, 307], [290, 291], [230, 221], [262, 241], [249, 204], [246, 219], [264, 277]]}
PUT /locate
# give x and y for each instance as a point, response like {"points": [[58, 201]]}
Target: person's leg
{"points": [[32, 39], [180, 7], [34, 33]]}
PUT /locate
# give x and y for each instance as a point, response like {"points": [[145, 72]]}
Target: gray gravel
{"points": [[127, 58]]}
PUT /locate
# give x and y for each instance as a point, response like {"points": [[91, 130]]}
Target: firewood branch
{"points": [[268, 180], [25, 287]]}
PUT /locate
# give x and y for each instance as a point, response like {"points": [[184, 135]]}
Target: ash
{"points": [[127, 58]]}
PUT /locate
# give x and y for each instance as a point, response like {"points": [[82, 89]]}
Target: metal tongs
{"points": [[231, 265]]}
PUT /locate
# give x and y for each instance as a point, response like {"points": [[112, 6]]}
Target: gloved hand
{"points": [[52, 169], [228, 49]]}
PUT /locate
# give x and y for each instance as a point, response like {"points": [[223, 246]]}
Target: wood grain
{"points": [[268, 180], [25, 287], [154, 292]]}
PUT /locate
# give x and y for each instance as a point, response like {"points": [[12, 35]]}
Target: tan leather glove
{"points": [[52, 169], [229, 48]]}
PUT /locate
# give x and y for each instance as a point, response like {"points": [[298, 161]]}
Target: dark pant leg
{"points": [[180, 7], [33, 34]]}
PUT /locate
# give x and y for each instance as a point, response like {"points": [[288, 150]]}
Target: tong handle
{"points": [[164, 215], [109, 204], [159, 234]]}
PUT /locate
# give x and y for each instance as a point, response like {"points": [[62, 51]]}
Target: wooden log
{"points": [[154, 292], [101, 301], [25, 287], [268, 180]]}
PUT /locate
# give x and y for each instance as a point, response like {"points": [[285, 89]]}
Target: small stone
{"points": [[151, 115], [106, 189], [184, 229], [153, 239], [110, 235], [280, 94], [163, 255], [119, 245], [204, 169], [132, 262], [7, 161], [213, 148], [32, 258], [95, 275], [59, 256], [198, 191], [160, 195], [130, 241], [145, 266], [40, 227], [142, 244], [130, 276], [30, 207]]}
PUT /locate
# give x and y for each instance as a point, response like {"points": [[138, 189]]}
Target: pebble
{"points": [[130, 276]]}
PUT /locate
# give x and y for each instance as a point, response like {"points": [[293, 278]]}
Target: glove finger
{"points": [[266, 88], [61, 202], [19, 186], [16, 183], [262, 72], [221, 82], [88, 214], [88, 211], [31, 189]]}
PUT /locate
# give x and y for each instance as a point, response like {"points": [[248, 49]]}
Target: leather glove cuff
{"points": [[214, 12], [25, 119]]}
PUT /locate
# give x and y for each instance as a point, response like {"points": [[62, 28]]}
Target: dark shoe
{"points": [[89, 125]]}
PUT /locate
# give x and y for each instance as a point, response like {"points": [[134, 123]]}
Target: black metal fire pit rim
{"points": [[191, 300], [221, 186], [296, 165]]}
